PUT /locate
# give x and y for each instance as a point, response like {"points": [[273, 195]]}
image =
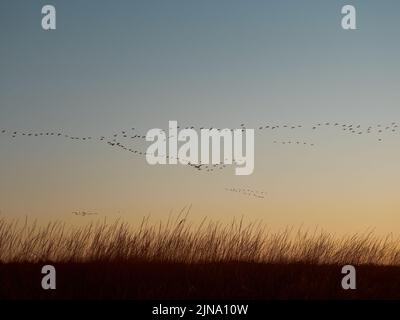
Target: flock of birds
{"points": [[84, 213], [356, 129], [248, 192], [122, 139], [113, 141]]}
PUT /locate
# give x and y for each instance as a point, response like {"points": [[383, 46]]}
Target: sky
{"points": [[115, 65]]}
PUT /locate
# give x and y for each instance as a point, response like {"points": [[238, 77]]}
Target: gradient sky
{"points": [[114, 65]]}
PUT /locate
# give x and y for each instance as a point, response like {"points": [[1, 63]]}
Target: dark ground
{"points": [[234, 280]]}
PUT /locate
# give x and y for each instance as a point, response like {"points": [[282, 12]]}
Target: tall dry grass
{"points": [[177, 240]]}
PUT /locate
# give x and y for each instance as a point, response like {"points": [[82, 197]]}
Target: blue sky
{"points": [[150, 61]]}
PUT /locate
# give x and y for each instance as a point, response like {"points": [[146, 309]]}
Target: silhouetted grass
{"points": [[179, 260], [176, 240]]}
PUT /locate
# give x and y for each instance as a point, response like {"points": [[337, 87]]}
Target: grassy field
{"points": [[178, 260]]}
